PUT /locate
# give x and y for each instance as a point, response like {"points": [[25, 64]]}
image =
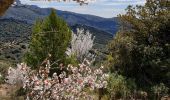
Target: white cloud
{"points": [[103, 8]]}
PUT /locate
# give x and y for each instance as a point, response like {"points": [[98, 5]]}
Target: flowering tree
{"points": [[66, 86], [17, 75], [81, 43]]}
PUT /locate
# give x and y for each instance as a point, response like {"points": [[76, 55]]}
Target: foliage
{"points": [[17, 75], [51, 36], [119, 87], [70, 86], [81, 43], [4, 65], [141, 49], [1, 78], [17, 33], [160, 90], [72, 60], [14, 35]]}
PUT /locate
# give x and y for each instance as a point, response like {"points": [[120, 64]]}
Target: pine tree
{"points": [[50, 36]]}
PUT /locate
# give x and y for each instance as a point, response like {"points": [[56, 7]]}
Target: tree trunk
{"points": [[4, 5]]}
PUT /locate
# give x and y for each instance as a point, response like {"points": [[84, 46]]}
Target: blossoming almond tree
{"points": [[17, 75], [66, 86], [81, 43]]}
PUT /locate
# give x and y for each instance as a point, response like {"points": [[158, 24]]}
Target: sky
{"points": [[102, 8]]}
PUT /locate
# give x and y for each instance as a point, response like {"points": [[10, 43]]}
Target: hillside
{"points": [[101, 37], [15, 36], [16, 24], [30, 13]]}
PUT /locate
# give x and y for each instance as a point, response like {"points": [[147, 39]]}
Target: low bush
{"points": [[68, 86], [159, 91], [119, 87]]}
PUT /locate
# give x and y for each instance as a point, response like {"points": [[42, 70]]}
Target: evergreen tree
{"points": [[141, 49], [50, 36]]}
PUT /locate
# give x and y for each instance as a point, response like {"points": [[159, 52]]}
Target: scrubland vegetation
{"points": [[60, 64]]}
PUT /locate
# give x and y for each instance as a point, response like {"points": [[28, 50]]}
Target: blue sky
{"points": [[103, 8]]}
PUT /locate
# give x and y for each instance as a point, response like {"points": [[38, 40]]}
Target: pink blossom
{"points": [[69, 87]]}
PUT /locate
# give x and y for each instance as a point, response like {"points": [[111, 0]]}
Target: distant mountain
{"points": [[29, 13], [16, 26], [101, 37], [16, 33]]}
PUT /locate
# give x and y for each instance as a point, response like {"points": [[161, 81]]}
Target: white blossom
{"points": [[81, 43], [17, 75], [58, 87]]}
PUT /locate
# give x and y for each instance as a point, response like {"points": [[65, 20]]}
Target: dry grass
{"points": [[8, 92]]}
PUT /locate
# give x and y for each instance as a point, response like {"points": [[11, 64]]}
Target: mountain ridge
{"points": [[16, 34], [30, 13]]}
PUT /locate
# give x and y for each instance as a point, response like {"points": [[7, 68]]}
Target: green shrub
{"points": [[119, 87], [72, 60], [1, 78], [4, 65], [159, 90]]}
